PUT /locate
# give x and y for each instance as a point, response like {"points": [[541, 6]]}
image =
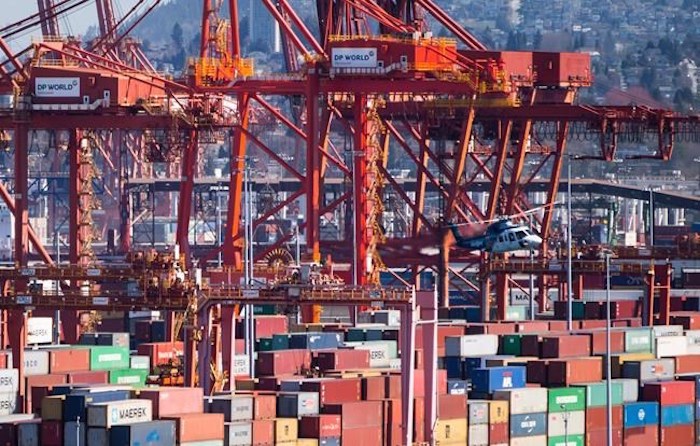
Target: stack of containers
{"points": [[360, 422], [478, 415], [566, 422], [641, 423], [452, 427], [498, 423], [676, 401], [291, 407], [528, 415], [596, 412]]}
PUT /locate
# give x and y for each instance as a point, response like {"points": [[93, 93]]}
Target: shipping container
{"points": [[357, 414], [109, 358], [69, 360], [649, 370], [36, 362], [74, 433], [20, 430], [566, 399], [597, 396], [198, 427], [679, 435], [450, 407], [285, 362], [471, 345], [174, 400], [630, 389], [567, 440], [524, 401], [319, 426], [566, 346], [297, 404], [563, 372], [478, 435], [286, 429], [528, 425], [75, 405], [315, 341], [670, 392], [239, 433], [478, 412], [132, 377], [537, 440], [641, 436], [671, 346], [151, 433], [678, 414], [334, 391], [450, 431], [116, 413], [561, 423], [639, 414], [113, 339], [494, 378], [638, 340], [233, 407]]}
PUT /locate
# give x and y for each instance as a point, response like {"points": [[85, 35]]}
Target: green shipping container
{"points": [[578, 310], [638, 340], [597, 394], [511, 344], [571, 398], [264, 345], [265, 310], [109, 358], [136, 378], [570, 440]]}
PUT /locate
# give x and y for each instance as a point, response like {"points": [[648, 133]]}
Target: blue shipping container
{"points": [[677, 414], [315, 341], [457, 386], [75, 406], [643, 413], [151, 433], [494, 378], [454, 366], [528, 425], [329, 441], [65, 389], [158, 331], [469, 313]]}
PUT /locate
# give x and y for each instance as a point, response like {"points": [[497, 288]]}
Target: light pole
{"points": [[651, 217], [569, 280], [608, 383]]}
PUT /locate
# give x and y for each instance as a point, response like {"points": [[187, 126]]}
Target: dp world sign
{"points": [[354, 58], [57, 87]]}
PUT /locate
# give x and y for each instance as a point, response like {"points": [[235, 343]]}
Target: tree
{"points": [[177, 35]]}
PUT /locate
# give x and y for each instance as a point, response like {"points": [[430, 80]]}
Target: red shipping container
{"points": [[264, 406], [689, 320], [240, 346], [670, 392], [91, 377], [366, 436], [419, 420], [598, 416], [198, 426], [392, 412], [174, 400], [451, 407], [499, 433], [393, 435], [51, 433], [687, 364], [592, 323], [419, 382], [334, 391], [599, 436], [263, 431], [357, 414], [532, 327], [343, 359], [283, 362], [567, 346], [555, 326], [319, 426], [266, 326], [569, 371], [3, 360], [641, 436], [40, 381], [679, 435], [599, 345], [373, 388], [536, 371], [69, 360], [444, 331], [393, 386]]}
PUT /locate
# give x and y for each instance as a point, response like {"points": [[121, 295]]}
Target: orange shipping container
{"points": [[198, 426], [69, 360], [169, 401]]}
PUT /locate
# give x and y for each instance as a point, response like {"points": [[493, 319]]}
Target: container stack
{"points": [[676, 400]]}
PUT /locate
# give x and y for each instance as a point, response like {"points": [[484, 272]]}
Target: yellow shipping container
{"points": [[451, 431], [307, 442], [498, 412], [52, 407], [286, 430]]}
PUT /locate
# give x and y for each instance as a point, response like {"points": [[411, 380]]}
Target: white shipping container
{"points": [[395, 363], [523, 401], [693, 339], [241, 365], [9, 380], [39, 330], [478, 435], [97, 436], [630, 389], [140, 362], [116, 413], [559, 423], [8, 403], [539, 440], [36, 362], [391, 318], [234, 408], [239, 434], [671, 346], [471, 345], [667, 330]]}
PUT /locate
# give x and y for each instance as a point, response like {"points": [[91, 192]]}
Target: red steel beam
{"points": [[313, 170], [184, 208], [360, 185]]}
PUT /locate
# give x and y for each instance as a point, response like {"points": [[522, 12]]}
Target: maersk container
{"points": [[525, 400], [115, 413], [650, 370], [105, 357], [630, 389], [678, 414], [8, 403], [76, 405], [471, 345], [638, 340], [379, 352], [152, 433], [478, 412], [9, 380], [132, 377], [528, 425], [597, 394], [297, 404], [561, 423], [642, 413], [233, 407], [495, 378], [241, 365], [566, 399], [315, 341]]}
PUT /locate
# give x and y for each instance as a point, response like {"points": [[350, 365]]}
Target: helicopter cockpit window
{"points": [[511, 237], [521, 235]]}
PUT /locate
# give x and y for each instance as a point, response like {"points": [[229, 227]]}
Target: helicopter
{"points": [[501, 236]]}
